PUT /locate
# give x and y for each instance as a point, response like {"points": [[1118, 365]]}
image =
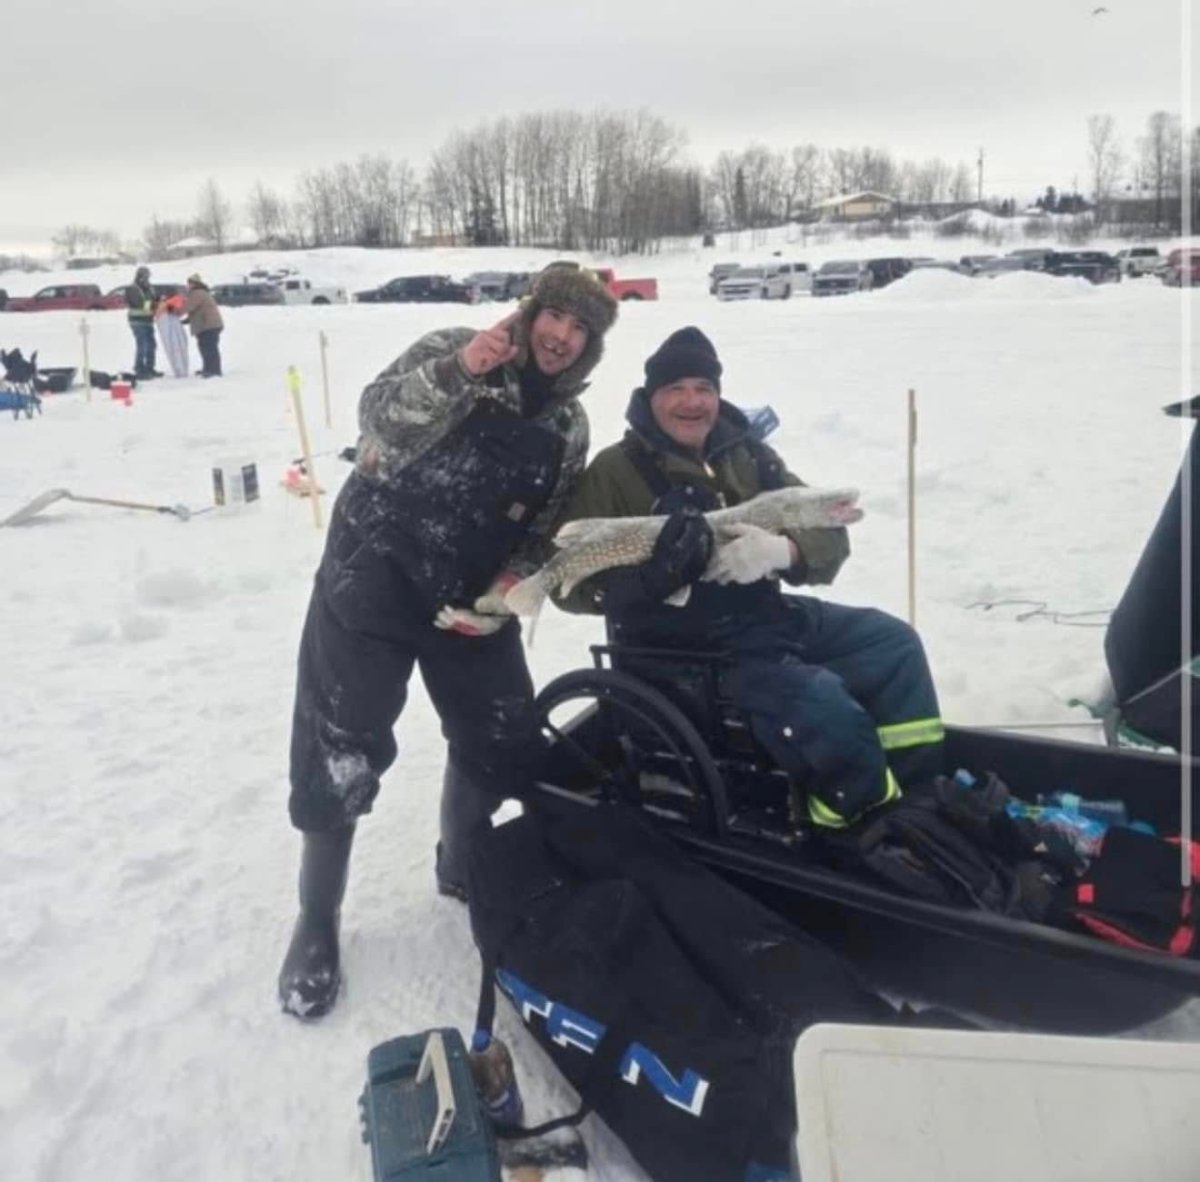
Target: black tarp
{"points": [[1144, 642]]}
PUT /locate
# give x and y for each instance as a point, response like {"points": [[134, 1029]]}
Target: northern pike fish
{"points": [[593, 544]]}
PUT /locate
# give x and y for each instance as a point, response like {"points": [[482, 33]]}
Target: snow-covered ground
{"points": [[147, 869]]}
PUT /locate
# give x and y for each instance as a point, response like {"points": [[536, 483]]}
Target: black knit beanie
{"points": [[686, 353]]}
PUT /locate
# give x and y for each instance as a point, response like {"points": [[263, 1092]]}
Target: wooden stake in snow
{"points": [[293, 380], [87, 366], [912, 508], [325, 376]]}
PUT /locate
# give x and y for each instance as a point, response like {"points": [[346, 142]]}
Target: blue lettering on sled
{"points": [[569, 1028]]}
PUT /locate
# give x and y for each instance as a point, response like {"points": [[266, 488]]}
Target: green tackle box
{"points": [[421, 1114]]}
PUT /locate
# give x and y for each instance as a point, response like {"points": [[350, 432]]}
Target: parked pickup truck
{"points": [[841, 277], [768, 281], [301, 291], [627, 289], [1182, 268], [71, 297], [499, 285], [419, 289], [240, 295], [1093, 265], [1137, 261]]}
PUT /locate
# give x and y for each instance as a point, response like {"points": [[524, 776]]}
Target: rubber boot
{"points": [[310, 976], [465, 807]]}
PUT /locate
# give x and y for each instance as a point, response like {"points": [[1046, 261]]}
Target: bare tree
{"points": [[266, 213], [1104, 160], [723, 179], [1161, 148], [875, 171], [74, 240], [69, 237], [1190, 166], [803, 177], [214, 214], [161, 234], [962, 185]]}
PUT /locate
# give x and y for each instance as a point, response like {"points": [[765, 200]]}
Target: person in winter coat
{"points": [[204, 319], [470, 446], [140, 301], [841, 697], [168, 318]]}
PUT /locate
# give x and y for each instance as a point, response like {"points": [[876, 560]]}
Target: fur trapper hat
{"points": [[570, 288]]}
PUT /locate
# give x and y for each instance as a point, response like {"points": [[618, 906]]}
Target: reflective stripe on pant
{"points": [[882, 662], [821, 814], [837, 695]]}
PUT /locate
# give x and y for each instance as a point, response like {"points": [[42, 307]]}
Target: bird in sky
{"points": [[1098, 11]]}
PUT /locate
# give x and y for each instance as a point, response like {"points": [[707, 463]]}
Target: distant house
{"points": [[197, 244], [187, 248], [856, 207]]}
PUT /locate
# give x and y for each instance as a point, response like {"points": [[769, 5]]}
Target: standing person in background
{"points": [[204, 318], [169, 319], [140, 300]]}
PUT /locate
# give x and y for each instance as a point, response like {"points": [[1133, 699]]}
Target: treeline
{"points": [[622, 182]]}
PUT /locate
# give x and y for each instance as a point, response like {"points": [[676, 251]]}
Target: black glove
{"points": [[681, 552]]}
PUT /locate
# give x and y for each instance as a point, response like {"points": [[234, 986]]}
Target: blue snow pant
{"points": [[843, 700], [361, 640], [144, 347], [840, 697]]}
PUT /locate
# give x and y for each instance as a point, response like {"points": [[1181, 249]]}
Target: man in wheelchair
{"points": [[841, 697]]}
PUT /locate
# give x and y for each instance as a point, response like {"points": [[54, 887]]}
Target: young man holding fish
{"points": [[841, 697], [471, 445]]}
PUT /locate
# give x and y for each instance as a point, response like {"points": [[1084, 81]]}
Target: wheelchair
{"points": [[657, 729]]}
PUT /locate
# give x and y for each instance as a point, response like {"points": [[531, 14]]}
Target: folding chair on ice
{"points": [[17, 389]]}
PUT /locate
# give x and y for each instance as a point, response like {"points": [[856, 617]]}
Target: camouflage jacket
{"points": [[425, 394]]}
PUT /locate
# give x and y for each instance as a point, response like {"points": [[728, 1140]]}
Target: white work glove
{"points": [[487, 615], [468, 623], [491, 602], [752, 555]]}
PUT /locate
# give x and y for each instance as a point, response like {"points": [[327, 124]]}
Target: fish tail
{"points": [[526, 597], [533, 623]]}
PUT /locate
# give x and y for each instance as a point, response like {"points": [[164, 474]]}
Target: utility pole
{"points": [[979, 187]]}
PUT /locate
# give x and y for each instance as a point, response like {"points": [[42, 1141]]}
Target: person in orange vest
{"points": [[168, 317]]}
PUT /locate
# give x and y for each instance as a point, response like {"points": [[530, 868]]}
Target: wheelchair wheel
{"points": [[637, 747]]}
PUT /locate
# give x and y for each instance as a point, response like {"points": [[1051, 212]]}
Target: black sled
{"points": [[649, 727]]}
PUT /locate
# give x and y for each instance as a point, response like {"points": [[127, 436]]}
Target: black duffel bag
{"points": [[669, 1000]]}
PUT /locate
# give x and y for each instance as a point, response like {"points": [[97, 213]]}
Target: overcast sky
{"points": [[116, 110]]}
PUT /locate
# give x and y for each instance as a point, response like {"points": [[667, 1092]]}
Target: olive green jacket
{"points": [[612, 486]]}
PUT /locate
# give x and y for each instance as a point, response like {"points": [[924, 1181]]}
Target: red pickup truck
{"points": [[73, 297], [627, 289], [1183, 268]]}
